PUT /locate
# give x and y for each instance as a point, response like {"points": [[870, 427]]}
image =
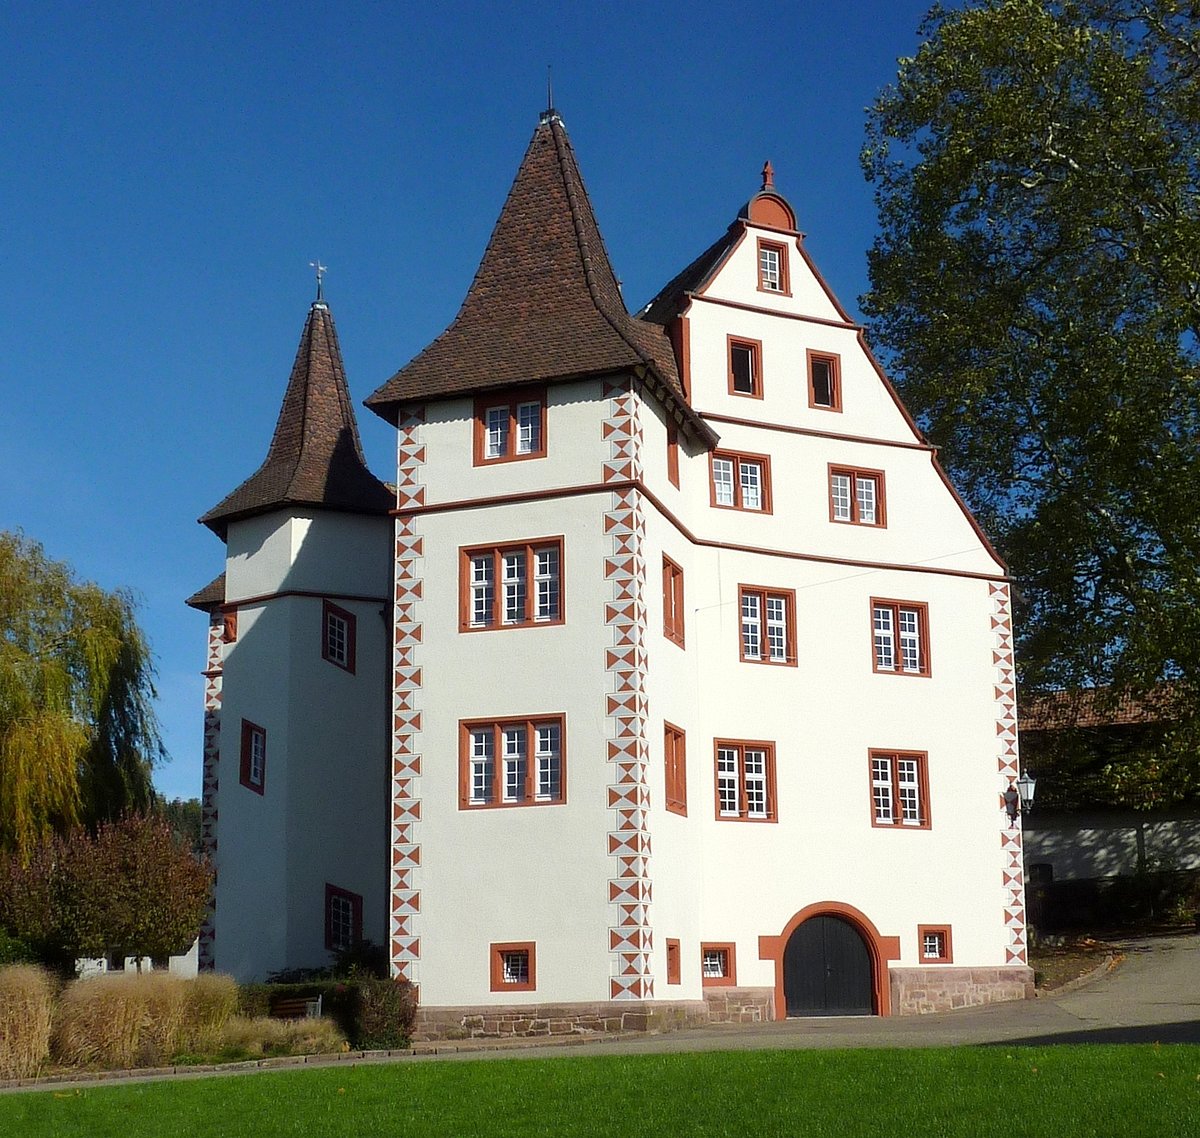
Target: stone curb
{"points": [[430, 1048], [1110, 961]]}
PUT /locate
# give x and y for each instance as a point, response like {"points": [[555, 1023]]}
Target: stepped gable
{"points": [[315, 458], [545, 305]]}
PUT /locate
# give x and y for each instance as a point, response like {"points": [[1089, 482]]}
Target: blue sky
{"points": [[171, 169]]}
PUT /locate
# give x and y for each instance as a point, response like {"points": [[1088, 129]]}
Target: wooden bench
{"points": [[296, 1007]]}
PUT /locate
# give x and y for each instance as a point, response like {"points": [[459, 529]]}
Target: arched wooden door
{"points": [[827, 970]]}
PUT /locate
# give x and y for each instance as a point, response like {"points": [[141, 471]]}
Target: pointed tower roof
{"points": [[545, 305], [315, 458]]}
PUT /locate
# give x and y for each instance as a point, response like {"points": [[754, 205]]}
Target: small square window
{"points": [[514, 967], [343, 918], [253, 773], [935, 944], [745, 367], [824, 381], [509, 427], [338, 636], [718, 965], [773, 267]]}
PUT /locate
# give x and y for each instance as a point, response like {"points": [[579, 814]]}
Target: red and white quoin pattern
{"points": [[630, 936], [208, 784], [404, 894], [1006, 738]]}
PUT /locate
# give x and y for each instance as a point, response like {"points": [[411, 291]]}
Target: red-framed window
{"points": [[934, 945], [900, 637], [768, 625], [675, 768], [718, 964], [338, 636], [512, 762], [518, 585], [673, 962], [744, 773], [856, 497], [513, 966], [510, 426], [900, 789], [745, 366], [824, 381], [773, 275], [673, 453], [740, 481], [343, 918], [673, 612], [253, 772]]}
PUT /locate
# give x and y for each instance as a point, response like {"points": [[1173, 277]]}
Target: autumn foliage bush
{"points": [[26, 1002]]}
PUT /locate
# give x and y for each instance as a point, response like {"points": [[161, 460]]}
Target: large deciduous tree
{"points": [[1035, 289], [78, 733]]}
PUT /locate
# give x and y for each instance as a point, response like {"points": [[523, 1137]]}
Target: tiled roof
{"points": [[210, 596], [545, 305], [315, 458], [1098, 707], [666, 305]]}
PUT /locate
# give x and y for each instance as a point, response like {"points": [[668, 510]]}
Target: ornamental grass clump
{"points": [[143, 1020], [264, 1035], [26, 1005]]}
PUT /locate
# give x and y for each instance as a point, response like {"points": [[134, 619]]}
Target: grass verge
{"points": [[1085, 1091]]}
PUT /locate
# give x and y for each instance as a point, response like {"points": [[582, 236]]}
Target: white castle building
{"points": [[673, 680]]}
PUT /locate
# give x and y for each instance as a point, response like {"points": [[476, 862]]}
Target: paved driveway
{"points": [[1154, 996]]}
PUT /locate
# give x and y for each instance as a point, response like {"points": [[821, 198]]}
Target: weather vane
{"points": [[321, 270]]}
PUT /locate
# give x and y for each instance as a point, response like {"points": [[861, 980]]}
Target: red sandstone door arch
{"points": [[879, 950]]}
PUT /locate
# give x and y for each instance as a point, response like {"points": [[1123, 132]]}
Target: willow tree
{"points": [[78, 733], [1035, 291]]}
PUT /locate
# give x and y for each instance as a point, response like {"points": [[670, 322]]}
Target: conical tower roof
{"points": [[315, 458], [545, 305]]}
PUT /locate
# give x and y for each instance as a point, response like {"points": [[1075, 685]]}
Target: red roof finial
{"points": [[768, 175]]}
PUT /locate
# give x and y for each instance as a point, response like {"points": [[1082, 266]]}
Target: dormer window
{"points": [[772, 267], [507, 428]]}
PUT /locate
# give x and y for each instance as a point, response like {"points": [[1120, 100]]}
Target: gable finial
{"points": [[320, 270], [768, 175]]}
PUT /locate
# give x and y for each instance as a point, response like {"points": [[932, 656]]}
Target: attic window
{"points": [[772, 267], [508, 427]]}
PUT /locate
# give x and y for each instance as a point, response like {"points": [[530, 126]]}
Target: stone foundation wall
{"points": [[941, 988], [720, 1005]]}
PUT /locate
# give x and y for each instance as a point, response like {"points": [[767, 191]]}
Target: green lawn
{"points": [[1052, 1092]]}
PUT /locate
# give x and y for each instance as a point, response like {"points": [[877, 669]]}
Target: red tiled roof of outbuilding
{"points": [[315, 458], [545, 305]]}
